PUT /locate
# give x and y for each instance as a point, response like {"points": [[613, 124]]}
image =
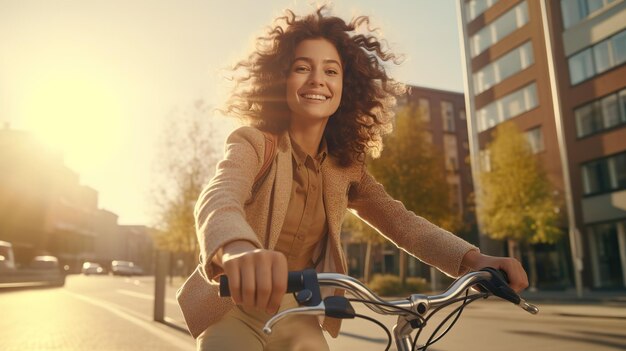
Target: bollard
{"points": [[162, 264]]}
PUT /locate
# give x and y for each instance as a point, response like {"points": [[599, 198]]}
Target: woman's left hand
{"points": [[518, 280]]}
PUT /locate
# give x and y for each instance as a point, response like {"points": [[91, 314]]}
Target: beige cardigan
{"points": [[227, 210]]}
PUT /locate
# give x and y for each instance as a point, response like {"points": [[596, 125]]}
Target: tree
{"points": [[413, 172], [363, 233], [187, 159], [517, 202]]}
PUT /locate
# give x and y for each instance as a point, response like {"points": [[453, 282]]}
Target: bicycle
{"points": [[413, 312]]}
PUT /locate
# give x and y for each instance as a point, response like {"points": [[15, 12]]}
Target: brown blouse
{"points": [[305, 223]]}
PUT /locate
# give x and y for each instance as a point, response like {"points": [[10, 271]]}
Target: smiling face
{"points": [[315, 81]]}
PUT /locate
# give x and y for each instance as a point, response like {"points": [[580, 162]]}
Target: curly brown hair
{"points": [[366, 108]]}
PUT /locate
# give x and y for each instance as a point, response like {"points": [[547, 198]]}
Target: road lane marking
{"points": [[23, 285], [148, 326], [143, 296]]}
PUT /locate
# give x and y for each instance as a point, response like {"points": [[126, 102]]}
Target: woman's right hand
{"points": [[257, 278]]}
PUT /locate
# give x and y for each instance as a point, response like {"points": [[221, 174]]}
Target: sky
{"points": [[96, 80]]}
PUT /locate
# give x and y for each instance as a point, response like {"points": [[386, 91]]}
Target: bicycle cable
{"points": [[382, 303], [458, 312], [467, 299], [380, 325]]}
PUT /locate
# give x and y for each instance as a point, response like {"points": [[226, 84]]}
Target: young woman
{"points": [[317, 89]]}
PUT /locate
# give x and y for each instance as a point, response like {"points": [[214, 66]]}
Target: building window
{"points": [[598, 58], [610, 111], [475, 8], [588, 119], [618, 45], [535, 140], [507, 107], [574, 11], [602, 57], [595, 177], [581, 66], [451, 152], [617, 171], [601, 114], [498, 29], [424, 109], [447, 115], [604, 175], [515, 61]]}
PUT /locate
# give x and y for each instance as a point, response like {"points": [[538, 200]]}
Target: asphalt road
{"points": [[115, 313], [89, 313]]}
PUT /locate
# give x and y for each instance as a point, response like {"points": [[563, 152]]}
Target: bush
{"points": [[390, 285]]}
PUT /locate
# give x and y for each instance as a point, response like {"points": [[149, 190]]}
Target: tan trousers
{"points": [[242, 329]]}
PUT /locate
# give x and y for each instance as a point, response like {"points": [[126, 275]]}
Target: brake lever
{"points": [[308, 310], [332, 306], [498, 285]]}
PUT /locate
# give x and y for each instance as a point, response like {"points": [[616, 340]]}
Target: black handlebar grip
{"points": [[498, 285], [504, 275], [295, 283]]}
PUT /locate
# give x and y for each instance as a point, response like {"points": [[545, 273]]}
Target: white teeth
{"points": [[314, 97]]}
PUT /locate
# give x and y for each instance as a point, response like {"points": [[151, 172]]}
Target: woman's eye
{"points": [[332, 72], [301, 69]]}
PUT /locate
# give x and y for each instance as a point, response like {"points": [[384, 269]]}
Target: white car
{"points": [[7, 261], [123, 268], [92, 268]]}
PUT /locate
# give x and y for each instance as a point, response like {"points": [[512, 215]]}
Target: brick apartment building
{"points": [[556, 69]]}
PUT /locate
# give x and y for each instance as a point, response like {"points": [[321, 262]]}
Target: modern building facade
{"points": [[556, 69]]}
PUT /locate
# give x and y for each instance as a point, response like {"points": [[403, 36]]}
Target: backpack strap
{"points": [[271, 142]]}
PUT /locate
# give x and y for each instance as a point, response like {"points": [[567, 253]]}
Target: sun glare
{"points": [[76, 114]]}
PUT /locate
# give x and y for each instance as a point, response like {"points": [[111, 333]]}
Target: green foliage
{"points": [[517, 199], [413, 172], [391, 285]]}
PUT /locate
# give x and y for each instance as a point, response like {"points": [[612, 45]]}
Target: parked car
{"points": [[41, 271], [45, 263], [125, 268], [7, 261], [92, 268]]}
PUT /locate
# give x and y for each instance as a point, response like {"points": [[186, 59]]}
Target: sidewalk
{"points": [[616, 297], [592, 304]]}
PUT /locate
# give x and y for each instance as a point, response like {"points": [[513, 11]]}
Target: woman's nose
{"points": [[316, 78]]}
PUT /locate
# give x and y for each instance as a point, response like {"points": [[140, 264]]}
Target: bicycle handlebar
{"points": [[412, 309], [487, 279]]}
